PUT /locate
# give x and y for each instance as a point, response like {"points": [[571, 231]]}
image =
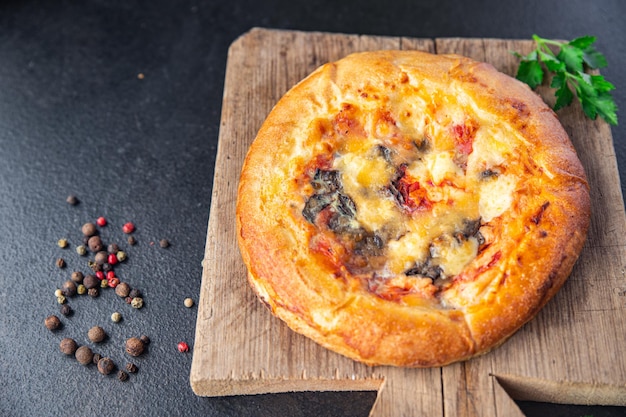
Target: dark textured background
{"points": [[75, 119]]}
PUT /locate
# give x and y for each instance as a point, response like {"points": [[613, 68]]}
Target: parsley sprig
{"points": [[568, 67]]}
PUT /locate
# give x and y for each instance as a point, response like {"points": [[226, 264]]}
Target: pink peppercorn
{"points": [[101, 221], [110, 274], [112, 259], [100, 275], [128, 228], [183, 347], [113, 282]]}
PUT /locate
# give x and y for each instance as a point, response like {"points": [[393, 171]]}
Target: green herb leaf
{"points": [[567, 67]]}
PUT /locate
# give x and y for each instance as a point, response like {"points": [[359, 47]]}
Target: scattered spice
{"points": [[68, 346], [131, 368], [164, 243], [134, 293], [71, 200], [96, 358], [128, 300], [145, 339], [60, 263], [116, 317], [96, 334], [134, 346], [106, 366], [100, 275], [104, 283], [113, 248], [128, 228], [90, 281], [121, 256], [101, 221], [81, 250], [89, 229], [52, 322], [77, 277], [131, 240], [62, 243], [122, 376], [140, 76], [84, 355], [122, 290], [101, 257], [188, 302], [95, 244], [112, 259], [113, 281], [183, 347], [93, 292], [69, 288], [66, 310], [61, 299], [81, 289], [58, 293], [137, 302]]}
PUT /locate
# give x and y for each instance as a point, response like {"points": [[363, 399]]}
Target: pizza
{"points": [[410, 209]]}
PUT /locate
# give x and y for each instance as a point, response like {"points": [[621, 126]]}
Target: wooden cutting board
{"points": [[574, 351]]}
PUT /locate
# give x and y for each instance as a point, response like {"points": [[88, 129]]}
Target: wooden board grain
{"points": [[573, 351]]}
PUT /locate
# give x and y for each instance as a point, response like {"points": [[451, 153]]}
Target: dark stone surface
{"points": [[76, 119]]}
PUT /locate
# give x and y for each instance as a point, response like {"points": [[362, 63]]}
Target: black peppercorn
{"points": [[113, 248], [89, 229], [131, 368], [68, 346], [71, 200], [145, 339], [95, 243], [66, 310], [84, 355], [60, 263], [122, 376], [52, 322], [93, 292], [96, 358], [134, 293], [69, 288], [101, 257], [90, 281], [131, 240], [106, 366], [134, 346], [107, 267]]}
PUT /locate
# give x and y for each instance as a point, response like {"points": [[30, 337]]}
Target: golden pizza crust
{"points": [[526, 251]]}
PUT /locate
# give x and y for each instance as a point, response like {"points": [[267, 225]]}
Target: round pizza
{"points": [[409, 209]]}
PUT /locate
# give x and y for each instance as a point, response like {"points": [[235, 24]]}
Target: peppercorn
{"points": [[61, 299], [145, 339], [89, 229], [58, 293], [101, 257], [68, 346], [93, 292], [60, 263], [100, 275], [110, 274], [96, 358], [112, 259], [84, 355], [62, 243], [90, 282], [96, 334], [69, 288], [101, 221], [131, 240], [113, 282], [106, 267], [183, 347], [77, 277], [113, 248], [95, 244], [137, 302], [164, 243], [134, 346], [128, 300], [81, 289], [134, 293], [81, 250], [106, 366], [104, 283], [116, 317], [188, 302], [128, 228], [131, 368], [122, 289], [121, 256], [71, 200], [52, 322], [122, 376], [66, 310]]}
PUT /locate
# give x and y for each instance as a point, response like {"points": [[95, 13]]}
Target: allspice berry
{"points": [[95, 244], [84, 355], [101, 257], [134, 346], [52, 322], [69, 288], [77, 277], [89, 229], [122, 289], [106, 366], [90, 281], [68, 346], [96, 334]]}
